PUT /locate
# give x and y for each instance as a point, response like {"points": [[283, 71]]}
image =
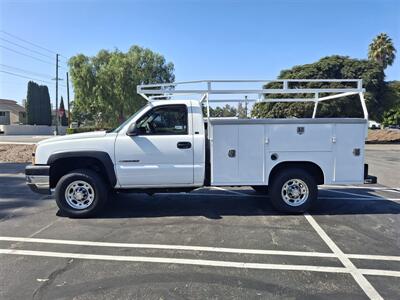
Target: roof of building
{"points": [[10, 105]]}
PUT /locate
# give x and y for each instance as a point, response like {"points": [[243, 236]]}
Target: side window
{"points": [[164, 120]]}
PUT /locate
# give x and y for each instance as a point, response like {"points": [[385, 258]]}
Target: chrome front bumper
{"points": [[38, 179]]}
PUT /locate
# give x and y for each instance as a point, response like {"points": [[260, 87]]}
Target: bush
{"points": [[391, 117], [84, 129]]}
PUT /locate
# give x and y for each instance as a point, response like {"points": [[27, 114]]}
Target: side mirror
{"points": [[132, 130]]}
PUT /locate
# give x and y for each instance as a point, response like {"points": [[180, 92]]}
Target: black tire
{"points": [[277, 194], [101, 192], [261, 189]]}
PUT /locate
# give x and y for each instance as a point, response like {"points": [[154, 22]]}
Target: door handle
{"points": [[184, 145]]}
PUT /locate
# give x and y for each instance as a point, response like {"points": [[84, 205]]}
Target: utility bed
{"points": [[244, 151]]}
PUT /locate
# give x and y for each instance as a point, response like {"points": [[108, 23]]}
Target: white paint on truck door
{"points": [[157, 158]]}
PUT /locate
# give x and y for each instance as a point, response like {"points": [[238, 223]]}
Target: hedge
{"points": [[84, 129]]}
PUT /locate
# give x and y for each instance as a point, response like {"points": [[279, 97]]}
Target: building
{"points": [[11, 112]]}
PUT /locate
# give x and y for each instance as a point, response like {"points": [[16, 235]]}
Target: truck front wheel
{"points": [[81, 193], [293, 190]]}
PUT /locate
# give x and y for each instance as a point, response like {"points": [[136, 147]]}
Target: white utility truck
{"points": [[169, 146]]}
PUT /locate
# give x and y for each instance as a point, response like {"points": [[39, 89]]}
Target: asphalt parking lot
{"points": [[211, 243]]}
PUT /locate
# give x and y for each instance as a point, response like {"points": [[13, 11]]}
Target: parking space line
{"points": [[167, 247], [357, 187], [179, 261], [361, 199], [391, 191], [351, 194], [365, 285], [203, 262], [229, 191], [196, 248], [374, 257], [380, 272]]}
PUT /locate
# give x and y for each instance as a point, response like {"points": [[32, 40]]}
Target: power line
{"points": [[26, 48], [27, 71], [25, 41], [27, 55], [26, 77]]}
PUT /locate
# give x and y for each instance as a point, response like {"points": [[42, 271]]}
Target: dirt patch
{"points": [[384, 136], [16, 153]]}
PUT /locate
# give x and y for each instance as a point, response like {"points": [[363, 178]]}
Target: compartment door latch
{"points": [[232, 153]]}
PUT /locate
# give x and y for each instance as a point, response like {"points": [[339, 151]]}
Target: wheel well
{"points": [[310, 167], [65, 165]]}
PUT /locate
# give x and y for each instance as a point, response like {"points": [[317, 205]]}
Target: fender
{"points": [[102, 156]]}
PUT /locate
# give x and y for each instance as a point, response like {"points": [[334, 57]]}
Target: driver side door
{"points": [[161, 154]]}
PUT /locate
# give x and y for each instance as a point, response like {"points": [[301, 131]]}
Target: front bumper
{"points": [[38, 179]]}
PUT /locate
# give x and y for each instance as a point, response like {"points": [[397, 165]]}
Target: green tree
{"points": [[330, 67], [105, 84], [392, 98], [38, 108], [391, 94], [218, 112], [31, 104], [45, 106], [63, 113], [382, 50], [392, 117]]}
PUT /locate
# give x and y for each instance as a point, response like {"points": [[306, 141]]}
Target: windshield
{"points": [[115, 130]]}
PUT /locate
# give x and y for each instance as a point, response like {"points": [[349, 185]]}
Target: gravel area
{"points": [[383, 136], [16, 153]]}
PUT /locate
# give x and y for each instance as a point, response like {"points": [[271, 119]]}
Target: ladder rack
{"points": [[206, 88]]}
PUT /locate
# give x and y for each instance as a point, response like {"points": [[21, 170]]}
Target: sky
{"points": [[220, 39]]}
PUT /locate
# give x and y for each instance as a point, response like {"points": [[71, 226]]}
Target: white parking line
{"points": [[366, 286], [167, 247], [201, 262], [380, 272], [351, 194], [230, 191], [330, 186], [391, 191], [179, 261], [374, 257], [193, 248], [360, 199]]}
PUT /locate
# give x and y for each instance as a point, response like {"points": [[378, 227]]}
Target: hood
{"points": [[85, 135]]}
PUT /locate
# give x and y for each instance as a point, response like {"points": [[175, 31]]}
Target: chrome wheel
{"points": [[79, 194], [295, 192]]}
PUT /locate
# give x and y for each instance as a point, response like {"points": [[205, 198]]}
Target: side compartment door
{"points": [[349, 153], [161, 154], [224, 156]]}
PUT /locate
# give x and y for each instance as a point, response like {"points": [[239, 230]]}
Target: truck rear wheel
{"points": [[293, 190], [81, 193]]}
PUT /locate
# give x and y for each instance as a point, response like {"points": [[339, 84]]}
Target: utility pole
{"points": [[245, 105], [57, 94], [69, 114]]}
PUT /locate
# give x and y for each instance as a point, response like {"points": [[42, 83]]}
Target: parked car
{"points": [[374, 125]]}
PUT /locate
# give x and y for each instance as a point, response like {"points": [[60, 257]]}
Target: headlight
{"points": [[33, 154]]}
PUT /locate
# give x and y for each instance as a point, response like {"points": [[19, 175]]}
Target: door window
{"points": [[164, 120]]}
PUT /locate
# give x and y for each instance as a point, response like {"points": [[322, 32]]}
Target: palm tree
{"points": [[382, 50]]}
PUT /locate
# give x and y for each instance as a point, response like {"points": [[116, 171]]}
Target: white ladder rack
{"points": [[206, 88]]}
